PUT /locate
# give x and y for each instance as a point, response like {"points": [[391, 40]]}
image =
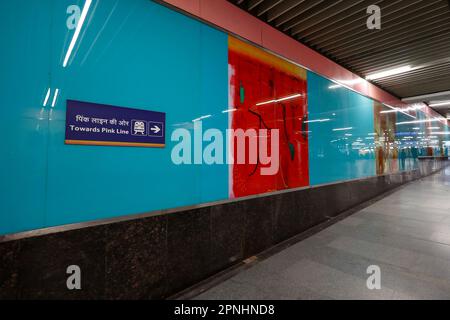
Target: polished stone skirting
{"points": [[155, 257]]}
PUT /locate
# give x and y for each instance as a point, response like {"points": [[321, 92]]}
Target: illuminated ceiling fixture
{"points": [[279, 100], [83, 15], [388, 73], [440, 104]]}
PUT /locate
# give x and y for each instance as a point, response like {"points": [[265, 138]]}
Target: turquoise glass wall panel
{"points": [[24, 77], [130, 53], [341, 125], [156, 60]]}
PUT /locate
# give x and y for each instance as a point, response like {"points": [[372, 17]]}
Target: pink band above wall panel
{"points": [[229, 17]]}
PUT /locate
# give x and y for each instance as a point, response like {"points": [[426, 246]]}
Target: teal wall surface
{"points": [[130, 53], [341, 124]]}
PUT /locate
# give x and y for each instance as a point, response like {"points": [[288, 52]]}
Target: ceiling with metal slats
{"points": [[413, 33]]}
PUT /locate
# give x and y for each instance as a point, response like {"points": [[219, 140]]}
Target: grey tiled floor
{"points": [[406, 234]]}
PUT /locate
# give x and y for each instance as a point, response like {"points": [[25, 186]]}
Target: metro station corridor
{"points": [[406, 234], [184, 150]]}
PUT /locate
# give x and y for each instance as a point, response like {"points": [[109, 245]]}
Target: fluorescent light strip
{"points": [[87, 4], [440, 104], [344, 83], [279, 100], [47, 96], [55, 97], [388, 73]]}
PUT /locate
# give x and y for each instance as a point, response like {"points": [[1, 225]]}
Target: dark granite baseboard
{"points": [[155, 257]]}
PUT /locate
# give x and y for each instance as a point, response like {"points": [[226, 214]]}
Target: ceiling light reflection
{"points": [[419, 121], [202, 117], [343, 129], [279, 100], [229, 110], [318, 120], [84, 13], [55, 97], [47, 96]]}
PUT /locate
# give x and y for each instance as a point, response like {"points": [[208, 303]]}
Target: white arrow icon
{"points": [[155, 129]]}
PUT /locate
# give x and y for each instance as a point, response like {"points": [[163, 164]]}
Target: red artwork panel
{"points": [[267, 92]]}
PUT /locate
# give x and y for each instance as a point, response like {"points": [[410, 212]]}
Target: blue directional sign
{"points": [[104, 125]]}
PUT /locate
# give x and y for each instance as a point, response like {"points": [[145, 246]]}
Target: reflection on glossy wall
{"points": [[406, 142], [341, 129], [385, 139], [139, 54]]}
